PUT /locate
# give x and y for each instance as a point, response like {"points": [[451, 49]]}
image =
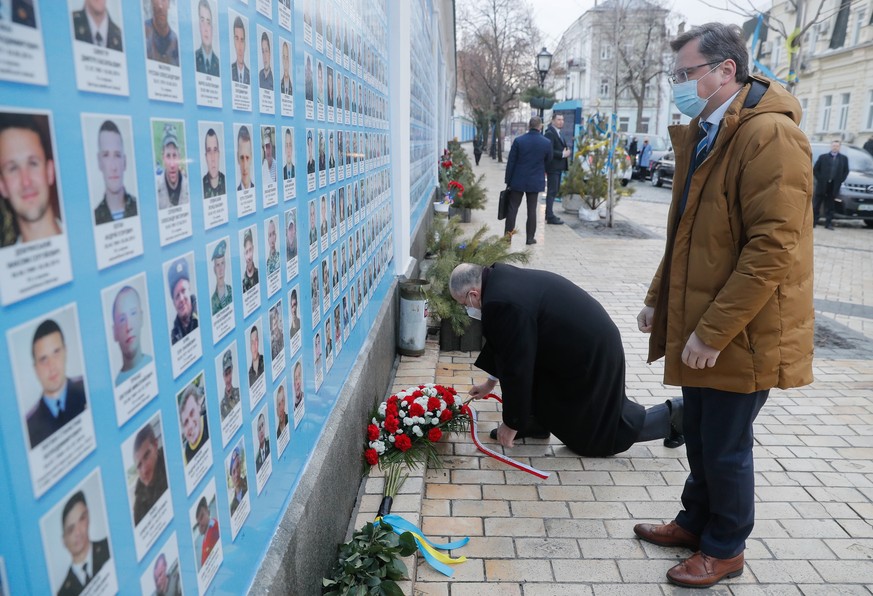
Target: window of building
{"points": [[650, 90], [604, 87], [675, 118], [838, 37], [859, 23], [826, 113], [623, 123], [844, 111], [605, 51], [870, 111], [644, 124]]}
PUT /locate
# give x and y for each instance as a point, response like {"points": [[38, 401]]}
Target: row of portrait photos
{"points": [[34, 252], [60, 432], [100, 64]]}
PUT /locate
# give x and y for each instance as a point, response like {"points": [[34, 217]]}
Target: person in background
{"points": [[529, 156], [556, 167], [830, 171]]}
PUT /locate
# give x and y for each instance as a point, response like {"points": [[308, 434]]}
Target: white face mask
{"points": [[686, 99], [473, 312]]}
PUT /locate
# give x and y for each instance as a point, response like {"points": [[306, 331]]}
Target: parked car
{"points": [[661, 170], [856, 194]]}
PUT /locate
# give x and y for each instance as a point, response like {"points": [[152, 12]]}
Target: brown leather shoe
{"points": [[671, 534], [702, 571]]}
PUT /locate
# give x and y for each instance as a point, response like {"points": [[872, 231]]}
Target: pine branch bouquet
{"points": [[446, 243]]}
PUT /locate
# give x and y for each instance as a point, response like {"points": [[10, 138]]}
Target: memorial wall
{"points": [[196, 235]]}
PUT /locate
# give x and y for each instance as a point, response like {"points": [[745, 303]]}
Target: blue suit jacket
{"points": [[528, 159]]}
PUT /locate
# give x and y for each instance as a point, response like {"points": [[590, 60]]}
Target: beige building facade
{"points": [[835, 74]]}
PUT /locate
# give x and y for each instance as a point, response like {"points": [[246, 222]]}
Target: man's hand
{"points": [[483, 389], [506, 435], [697, 354], [645, 319], [566, 152]]}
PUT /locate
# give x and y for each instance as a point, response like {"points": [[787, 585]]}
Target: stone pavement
{"points": [[572, 534]]}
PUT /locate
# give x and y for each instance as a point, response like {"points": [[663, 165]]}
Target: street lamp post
{"points": [[544, 61]]}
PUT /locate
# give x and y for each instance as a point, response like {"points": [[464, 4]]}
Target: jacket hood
{"points": [[776, 100]]}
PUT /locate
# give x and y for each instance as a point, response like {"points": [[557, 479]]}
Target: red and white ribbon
{"points": [[494, 454]]}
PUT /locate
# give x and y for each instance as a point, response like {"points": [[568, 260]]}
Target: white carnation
{"points": [[417, 431]]}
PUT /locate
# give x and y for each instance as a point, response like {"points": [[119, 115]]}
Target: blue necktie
{"points": [[700, 152]]}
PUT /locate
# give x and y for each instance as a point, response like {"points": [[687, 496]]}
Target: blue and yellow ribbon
{"points": [[428, 549]]}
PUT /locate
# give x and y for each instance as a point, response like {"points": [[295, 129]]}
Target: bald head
{"points": [[465, 277]]}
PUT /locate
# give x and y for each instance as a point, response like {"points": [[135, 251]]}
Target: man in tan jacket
{"points": [[730, 306]]}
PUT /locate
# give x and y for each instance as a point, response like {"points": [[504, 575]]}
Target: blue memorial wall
{"points": [[195, 229], [423, 109]]}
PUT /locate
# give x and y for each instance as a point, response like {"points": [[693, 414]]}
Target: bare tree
{"points": [[792, 23], [497, 64], [639, 37]]}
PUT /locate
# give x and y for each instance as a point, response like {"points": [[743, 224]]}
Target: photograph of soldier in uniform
{"points": [[184, 298], [206, 56], [214, 181], [75, 535], [93, 24]]}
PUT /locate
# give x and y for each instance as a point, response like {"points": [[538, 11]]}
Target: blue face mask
{"points": [[686, 98]]}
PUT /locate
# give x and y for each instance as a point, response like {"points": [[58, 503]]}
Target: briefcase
{"points": [[502, 203]]}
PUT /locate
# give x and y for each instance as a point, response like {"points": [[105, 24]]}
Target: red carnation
{"points": [[417, 394], [392, 400], [372, 432], [416, 410], [449, 399], [409, 399], [403, 442], [392, 424], [439, 388], [391, 410], [434, 404], [372, 457], [434, 435], [446, 415], [452, 390]]}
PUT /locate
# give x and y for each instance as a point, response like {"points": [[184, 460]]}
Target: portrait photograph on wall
{"points": [[110, 163], [246, 197], [128, 323], [170, 159], [163, 60], [229, 396], [76, 542], [207, 61], [236, 479], [99, 46], [148, 487], [183, 315], [213, 166], [206, 534], [51, 389], [194, 431], [163, 573], [34, 249]]}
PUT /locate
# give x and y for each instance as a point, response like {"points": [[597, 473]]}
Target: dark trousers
{"points": [[553, 182], [656, 424], [478, 156], [827, 199], [512, 210], [719, 494]]}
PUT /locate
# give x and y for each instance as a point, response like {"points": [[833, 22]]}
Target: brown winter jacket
{"points": [[738, 266]]}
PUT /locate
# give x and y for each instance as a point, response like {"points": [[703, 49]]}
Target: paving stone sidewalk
{"points": [[572, 534]]}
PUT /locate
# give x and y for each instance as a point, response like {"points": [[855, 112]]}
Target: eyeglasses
{"points": [[681, 75]]}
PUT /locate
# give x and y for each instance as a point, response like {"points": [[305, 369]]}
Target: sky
{"points": [[554, 16]]}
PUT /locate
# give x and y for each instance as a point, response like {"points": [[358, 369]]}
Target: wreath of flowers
{"points": [[405, 428]]}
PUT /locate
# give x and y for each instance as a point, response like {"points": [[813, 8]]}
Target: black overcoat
{"points": [[559, 358]]}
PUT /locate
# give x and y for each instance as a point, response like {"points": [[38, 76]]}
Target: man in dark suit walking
{"points": [[88, 557], [556, 167], [93, 25], [560, 362], [62, 398], [526, 175], [830, 171]]}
